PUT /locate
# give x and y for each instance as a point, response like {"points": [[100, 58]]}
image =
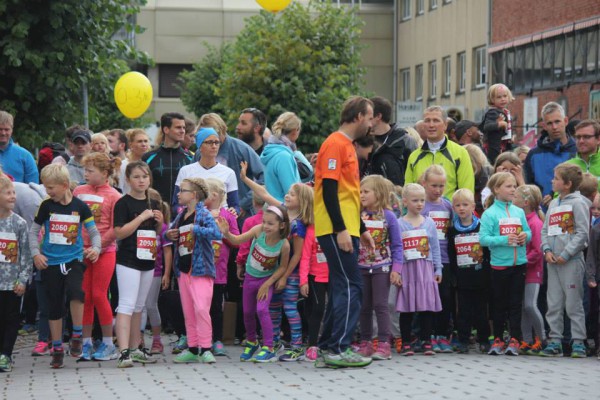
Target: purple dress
{"points": [[419, 290]]}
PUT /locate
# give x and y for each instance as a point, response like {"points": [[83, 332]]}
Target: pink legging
{"points": [[96, 280], [196, 296]]}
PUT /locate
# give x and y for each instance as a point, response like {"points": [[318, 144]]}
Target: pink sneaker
{"points": [[40, 349], [311, 354], [365, 349], [157, 347], [383, 352]]}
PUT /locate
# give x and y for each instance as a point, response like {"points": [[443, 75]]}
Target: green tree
{"points": [[305, 59], [50, 49]]}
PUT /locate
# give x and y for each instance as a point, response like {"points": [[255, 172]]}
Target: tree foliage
{"points": [[305, 59], [49, 49]]}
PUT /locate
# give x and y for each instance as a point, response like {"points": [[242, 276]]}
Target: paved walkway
{"points": [[447, 376]]}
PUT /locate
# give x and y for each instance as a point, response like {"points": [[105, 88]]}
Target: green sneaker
{"points": [[208, 358], [141, 356], [249, 350], [187, 357], [346, 359], [577, 351], [295, 354], [5, 363]]}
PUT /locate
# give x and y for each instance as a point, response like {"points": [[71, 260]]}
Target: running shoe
{"points": [[383, 351], [249, 351], [5, 363], [125, 360], [187, 357], [157, 347], [463, 348], [435, 345], [407, 350], [375, 343], [219, 349], [58, 357], [293, 354], [553, 349], [208, 358], [86, 352], [578, 350], [40, 349], [265, 355], [398, 345], [365, 348], [27, 329], [237, 341], [142, 356], [180, 345], [278, 347], [524, 348], [346, 359], [75, 346], [428, 349], [513, 348], [497, 348], [536, 348], [444, 345], [106, 352], [311, 354]]}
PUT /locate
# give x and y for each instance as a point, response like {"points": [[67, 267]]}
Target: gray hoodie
{"points": [[29, 198], [567, 226]]}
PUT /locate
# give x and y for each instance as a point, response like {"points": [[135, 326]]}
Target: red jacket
{"points": [[313, 260]]}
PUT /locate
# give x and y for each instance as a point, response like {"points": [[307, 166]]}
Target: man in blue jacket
{"points": [[15, 160], [553, 148]]}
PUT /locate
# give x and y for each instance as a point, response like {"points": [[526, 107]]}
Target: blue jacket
{"points": [[541, 161], [503, 255], [281, 171], [205, 231], [19, 163]]}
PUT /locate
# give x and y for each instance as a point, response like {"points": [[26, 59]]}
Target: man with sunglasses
{"points": [[250, 128]]}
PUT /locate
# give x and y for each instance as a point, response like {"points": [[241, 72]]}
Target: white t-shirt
{"points": [[123, 185], [219, 171]]}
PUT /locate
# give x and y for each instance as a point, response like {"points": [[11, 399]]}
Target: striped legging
{"points": [[289, 298]]}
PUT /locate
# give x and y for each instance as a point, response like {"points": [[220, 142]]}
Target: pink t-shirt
{"points": [[222, 248]]}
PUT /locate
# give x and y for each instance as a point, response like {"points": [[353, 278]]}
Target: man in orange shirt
{"points": [[337, 188]]}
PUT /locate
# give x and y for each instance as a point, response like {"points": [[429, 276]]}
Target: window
{"points": [[419, 82], [461, 71], [432, 80], [433, 4], [446, 2], [480, 66], [406, 9], [447, 72], [420, 7], [405, 79], [168, 79]]}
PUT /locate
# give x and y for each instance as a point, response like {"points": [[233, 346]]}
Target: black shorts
{"points": [[60, 281]]}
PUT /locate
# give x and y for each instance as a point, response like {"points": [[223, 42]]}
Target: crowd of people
{"points": [[429, 238]]}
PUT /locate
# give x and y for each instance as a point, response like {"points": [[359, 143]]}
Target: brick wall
{"points": [[514, 18]]}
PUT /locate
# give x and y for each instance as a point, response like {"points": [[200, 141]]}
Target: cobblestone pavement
{"points": [[444, 376]]}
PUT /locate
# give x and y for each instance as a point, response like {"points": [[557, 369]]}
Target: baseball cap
{"points": [[83, 135], [462, 127]]}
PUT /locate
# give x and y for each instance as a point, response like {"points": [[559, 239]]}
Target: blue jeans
{"points": [[344, 294]]}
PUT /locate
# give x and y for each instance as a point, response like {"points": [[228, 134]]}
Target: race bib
{"points": [[63, 229], [146, 245], [263, 260], [442, 223], [94, 203], [510, 226], [415, 244], [376, 229], [217, 245], [320, 255], [561, 221], [185, 245], [468, 250], [9, 247]]}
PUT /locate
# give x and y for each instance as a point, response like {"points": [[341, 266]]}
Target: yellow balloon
{"points": [[274, 5], [133, 94]]}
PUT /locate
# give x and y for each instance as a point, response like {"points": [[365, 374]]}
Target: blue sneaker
{"points": [[435, 345], [578, 351], [106, 352], [444, 345], [219, 349], [180, 345], [86, 352], [553, 349], [265, 355], [249, 350]]}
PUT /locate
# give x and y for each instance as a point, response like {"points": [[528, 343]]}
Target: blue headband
{"points": [[204, 133]]}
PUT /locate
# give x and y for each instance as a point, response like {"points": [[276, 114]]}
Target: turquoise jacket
{"points": [[281, 171], [503, 255]]}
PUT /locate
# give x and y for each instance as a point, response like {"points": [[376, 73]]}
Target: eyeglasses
{"points": [[186, 191], [584, 137], [211, 142]]}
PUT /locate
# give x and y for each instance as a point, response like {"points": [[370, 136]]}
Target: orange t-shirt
{"points": [[337, 160]]}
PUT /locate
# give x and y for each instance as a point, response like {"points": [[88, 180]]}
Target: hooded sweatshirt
{"points": [[567, 226], [281, 171], [390, 158]]}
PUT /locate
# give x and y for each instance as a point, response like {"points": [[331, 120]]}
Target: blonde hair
{"points": [[285, 124], [101, 137], [306, 198], [478, 158], [396, 196], [199, 187], [381, 187], [521, 150], [533, 195], [507, 156], [412, 132], [464, 195], [493, 90], [5, 181], [55, 173], [6, 118], [496, 181], [133, 133], [432, 170], [213, 120], [412, 188], [218, 187], [570, 173], [153, 194], [589, 185]]}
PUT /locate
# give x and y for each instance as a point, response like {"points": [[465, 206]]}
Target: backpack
{"points": [[49, 151]]}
